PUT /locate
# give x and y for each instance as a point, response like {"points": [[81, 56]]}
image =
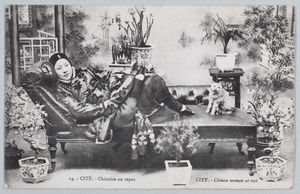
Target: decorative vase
{"points": [[269, 168], [141, 54], [264, 142], [34, 172], [178, 175], [225, 62]]}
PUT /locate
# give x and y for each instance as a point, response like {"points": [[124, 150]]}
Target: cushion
{"points": [[39, 73]]}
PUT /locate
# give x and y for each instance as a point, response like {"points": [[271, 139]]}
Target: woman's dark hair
{"points": [[57, 56]]}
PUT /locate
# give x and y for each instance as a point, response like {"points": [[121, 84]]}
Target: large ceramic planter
{"points": [[225, 62], [269, 170], [178, 175], [141, 54], [263, 143], [34, 173]]}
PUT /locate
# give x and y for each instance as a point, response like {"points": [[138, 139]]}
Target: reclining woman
{"points": [[90, 101], [92, 97]]}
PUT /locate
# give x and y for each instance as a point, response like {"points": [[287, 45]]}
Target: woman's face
{"points": [[63, 69]]}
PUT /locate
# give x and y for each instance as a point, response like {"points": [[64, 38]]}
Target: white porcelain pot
{"points": [[270, 171], [178, 175], [34, 173], [141, 54], [225, 62]]}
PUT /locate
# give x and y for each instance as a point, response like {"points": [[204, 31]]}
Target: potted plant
{"points": [[24, 118], [267, 29], [270, 168], [176, 140], [225, 33], [12, 152], [270, 30], [136, 36], [271, 119]]}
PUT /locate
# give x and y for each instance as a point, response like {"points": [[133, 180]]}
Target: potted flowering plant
{"points": [[176, 140], [136, 36], [225, 33], [270, 168], [26, 119], [271, 119]]}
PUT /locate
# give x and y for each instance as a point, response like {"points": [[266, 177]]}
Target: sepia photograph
{"points": [[149, 96]]}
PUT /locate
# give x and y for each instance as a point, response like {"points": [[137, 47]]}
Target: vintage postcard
{"points": [[149, 97]]}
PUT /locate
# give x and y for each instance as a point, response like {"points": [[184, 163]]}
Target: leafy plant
{"points": [[281, 70], [8, 67], [23, 117], [45, 19], [134, 29], [266, 28], [78, 53], [271, 119], [271, 30], [224, 34], [178, 139]]}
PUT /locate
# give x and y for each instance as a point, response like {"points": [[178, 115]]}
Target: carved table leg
{"points": [[63, 147], [212, 147], [240, 145], [250, 162], [52, 149]]}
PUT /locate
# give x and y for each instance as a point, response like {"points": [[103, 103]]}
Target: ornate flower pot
{"points": [[270, 169], [225, 62], [34, 172], [178, 175], [264, 142], [143, 54]]}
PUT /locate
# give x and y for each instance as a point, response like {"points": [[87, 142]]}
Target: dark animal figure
{"points": [[121, 53], [117, 52]]}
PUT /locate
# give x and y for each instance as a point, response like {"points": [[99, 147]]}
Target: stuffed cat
{"points": [[218, 100]]}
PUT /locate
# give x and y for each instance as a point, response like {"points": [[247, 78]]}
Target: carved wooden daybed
{"points": [[62, 128]]}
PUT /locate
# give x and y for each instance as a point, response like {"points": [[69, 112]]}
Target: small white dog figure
{"points": [[217, 100]]}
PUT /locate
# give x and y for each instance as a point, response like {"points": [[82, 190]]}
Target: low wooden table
{"points": [[233, 128]]}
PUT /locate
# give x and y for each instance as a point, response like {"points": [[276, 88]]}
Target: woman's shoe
{"points": [[187, 112]]}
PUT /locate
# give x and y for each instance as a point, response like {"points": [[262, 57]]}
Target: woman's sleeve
{"points": [[78, 109]]}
